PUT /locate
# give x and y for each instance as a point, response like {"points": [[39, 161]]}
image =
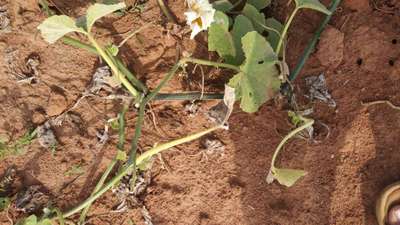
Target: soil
{"points": [[359, 55]]}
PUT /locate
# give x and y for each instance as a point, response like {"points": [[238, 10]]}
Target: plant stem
{"points": [[73, 42], [76, 43], [285, 30], [143, 104], [210, 63], [166, 11], [120, 65], [307, 52], [142, 158], [159, 148], [307, 123], [103, 178], [113, 66], [389, 103], [188, 96]]}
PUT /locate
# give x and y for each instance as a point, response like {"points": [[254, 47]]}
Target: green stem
{"points": [[75, 43], [187, 96], [307, 123], [113, 67], [159, 148], [307, 52], [110, 167], [210, 63], [142, 158], [166, 11], [143, 104], [285, 30]]}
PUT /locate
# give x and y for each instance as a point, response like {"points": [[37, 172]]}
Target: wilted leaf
{"points": [[259, 4], [97, 11], [55, 27], [222, 5], [275, 32], [259, 79], [255, 16], [240, 28], [219, 38], [288, 177], [312, 4]]}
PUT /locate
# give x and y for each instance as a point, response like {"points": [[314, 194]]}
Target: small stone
{"points": [[38, 118], [331, 48], [57, 105]]}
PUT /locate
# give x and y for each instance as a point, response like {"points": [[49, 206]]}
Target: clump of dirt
{"points": [[358, 54]]}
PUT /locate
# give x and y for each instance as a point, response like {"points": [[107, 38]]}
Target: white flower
{"points": [[199, 16]]}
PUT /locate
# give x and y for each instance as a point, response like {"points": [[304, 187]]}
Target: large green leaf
{"points": [[219, 38], [222, 5], [97, 11], [288, 177], [259, 79], [55, 27], [312, 4], [259, 4], [240, 28], [256, 17], [274, 32]]}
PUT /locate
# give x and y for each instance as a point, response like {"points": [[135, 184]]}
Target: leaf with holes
{"points": [[55, 27], [312, 4], [240, 28], [4, 203], [219, 38], [98, 11], [259, 4], [256, 17], [259, 80]]}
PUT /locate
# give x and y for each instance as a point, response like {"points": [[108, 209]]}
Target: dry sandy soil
{"points": [[359, 54]]}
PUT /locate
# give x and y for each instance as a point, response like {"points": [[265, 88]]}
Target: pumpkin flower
{"points": [[199, 16]]}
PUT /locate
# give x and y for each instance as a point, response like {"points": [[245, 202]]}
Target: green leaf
{"points": [[45, 222], [255, 16], [259, 4], [222, 19], [312, 4], [31, 220], [121, 155], [97, 11], [113, 49], [55, 27], [259, 80], [288, 177], [240, 28], [4, 203], [219, 38], [275, 31], [222, 5]]}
